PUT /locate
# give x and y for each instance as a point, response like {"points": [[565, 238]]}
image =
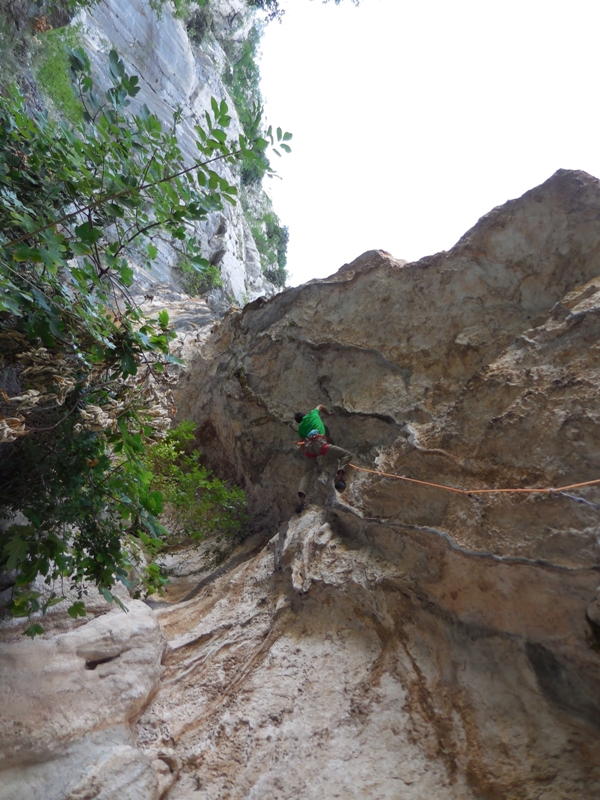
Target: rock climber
{"points": [[312, 431]]}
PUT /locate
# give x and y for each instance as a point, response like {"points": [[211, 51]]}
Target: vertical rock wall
{"points": [[401, 640], [176, 74]]}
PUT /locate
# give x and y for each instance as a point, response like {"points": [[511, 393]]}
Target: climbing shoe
{"points": [[340, 486]]}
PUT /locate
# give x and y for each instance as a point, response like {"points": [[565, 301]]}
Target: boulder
{"points": [[67, 707]]}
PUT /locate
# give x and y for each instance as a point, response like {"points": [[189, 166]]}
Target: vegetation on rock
{"points": [[51, 68], [82, 367], [196, 503], [242, 78]]}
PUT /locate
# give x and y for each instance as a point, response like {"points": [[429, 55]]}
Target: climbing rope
{"points": [[559, 489]]}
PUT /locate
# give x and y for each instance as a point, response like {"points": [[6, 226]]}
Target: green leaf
{"points": [[111, 598], [163, 319], [108, 596], [154, 502], [88, 233], [16, 549], [287, 136], [25, 253], [77, 609], [154, 526], [40, 299], [33, 630], [7, 303], [78, 60], [52, 601], [81, 249], [126, 275], [128, 364]]}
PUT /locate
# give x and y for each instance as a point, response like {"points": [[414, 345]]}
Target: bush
{"points": [[51, 67], [182, 9], [242, 78], [199, 24], [271, 241], [270, 8], [199, 275], [196, 504]]}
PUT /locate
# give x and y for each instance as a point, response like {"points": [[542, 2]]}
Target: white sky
{"points": [[413, 118]]}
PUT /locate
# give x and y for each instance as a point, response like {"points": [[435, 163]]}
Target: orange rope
{"points": [[477, 491]]}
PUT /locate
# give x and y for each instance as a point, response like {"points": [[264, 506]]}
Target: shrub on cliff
{"points": [[196, 503]]}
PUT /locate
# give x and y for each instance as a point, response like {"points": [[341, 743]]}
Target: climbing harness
{"points": [[557, 490], [319, 438]]}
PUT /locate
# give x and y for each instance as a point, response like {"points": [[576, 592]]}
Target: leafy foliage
{"points": [[198, 282], [196, 503], [182, 9], [271, 9], [199, 23], [51, 67], [81, 365], [242, 78], [271, 240]]}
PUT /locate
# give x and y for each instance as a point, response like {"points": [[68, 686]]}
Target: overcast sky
{"points": [[413, 118]]}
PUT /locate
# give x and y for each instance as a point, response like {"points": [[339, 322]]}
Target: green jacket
{"points": [[311, 422]]}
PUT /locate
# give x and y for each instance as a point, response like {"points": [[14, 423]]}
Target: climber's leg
{"points": [[307, 476], [344, 472]]}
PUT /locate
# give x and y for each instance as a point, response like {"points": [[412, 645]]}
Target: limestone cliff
{"points": [[412, 642], [179, 69], [176, 74], [398, 640]]}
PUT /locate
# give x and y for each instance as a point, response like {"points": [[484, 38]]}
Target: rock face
{"points": [[349, 659], [175, 74], [411, 642], [399, 640], [67, 706]]}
